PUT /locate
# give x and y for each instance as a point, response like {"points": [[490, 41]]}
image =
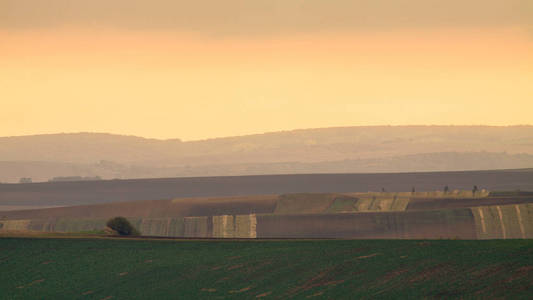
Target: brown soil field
{"points": [[308, 203], [390, 225], [107, 191], [444, 203], [373, 215], [483, 222], [183, 207]]}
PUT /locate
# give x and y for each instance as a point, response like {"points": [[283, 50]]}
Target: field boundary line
{"points": [[519, 215], [504, 235], [482, 219]]}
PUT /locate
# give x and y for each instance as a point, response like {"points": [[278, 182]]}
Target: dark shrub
{"points": [[122, 226]]}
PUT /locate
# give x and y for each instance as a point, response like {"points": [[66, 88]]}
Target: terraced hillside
{"points": [[355, 215], [319, 269]]}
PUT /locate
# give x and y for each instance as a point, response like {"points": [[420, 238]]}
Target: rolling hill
{"points": [[325, 150]]}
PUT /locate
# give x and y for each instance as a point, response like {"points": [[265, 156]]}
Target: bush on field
{"points": [[122, 226]]}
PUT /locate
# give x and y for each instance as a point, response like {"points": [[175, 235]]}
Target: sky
{"points": [[203, 69]]}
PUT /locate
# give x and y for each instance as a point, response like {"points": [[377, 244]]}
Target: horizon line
{"points": [[255, 134]]}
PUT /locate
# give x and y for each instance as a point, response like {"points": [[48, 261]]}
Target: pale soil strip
{"points": [[368, 256], [501, 221], [224, 226], [30, 284], [26, 207], [217, 226], [141, 227], [519, 215], [263, 295], [15, 224], [482, 219], [241, 290], [253, 226]]}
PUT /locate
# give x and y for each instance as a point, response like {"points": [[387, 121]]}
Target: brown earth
{"points": [[420, 203], [389, 225], [155, 208], [106, 191], [243, 205]]}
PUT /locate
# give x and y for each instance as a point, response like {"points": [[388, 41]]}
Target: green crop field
{"points": [[106, 268]]}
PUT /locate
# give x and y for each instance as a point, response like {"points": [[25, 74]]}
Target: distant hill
{"points": [[450, 161], [345, 149]]}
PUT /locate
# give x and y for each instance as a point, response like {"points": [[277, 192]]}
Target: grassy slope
{"points": [[336, 269]]}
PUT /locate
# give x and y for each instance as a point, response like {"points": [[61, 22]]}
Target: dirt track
{"points": [[80, 193]]}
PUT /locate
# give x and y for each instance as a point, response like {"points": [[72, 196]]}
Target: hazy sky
{"points": [[198, 69]]}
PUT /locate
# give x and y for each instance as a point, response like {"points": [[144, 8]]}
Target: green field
{"points": [[105, 268]]}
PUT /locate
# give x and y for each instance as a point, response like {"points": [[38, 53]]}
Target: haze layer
{"points": [[199, 69]]}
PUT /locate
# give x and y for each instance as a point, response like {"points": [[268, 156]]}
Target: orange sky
{"points": [[170, 83]]}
